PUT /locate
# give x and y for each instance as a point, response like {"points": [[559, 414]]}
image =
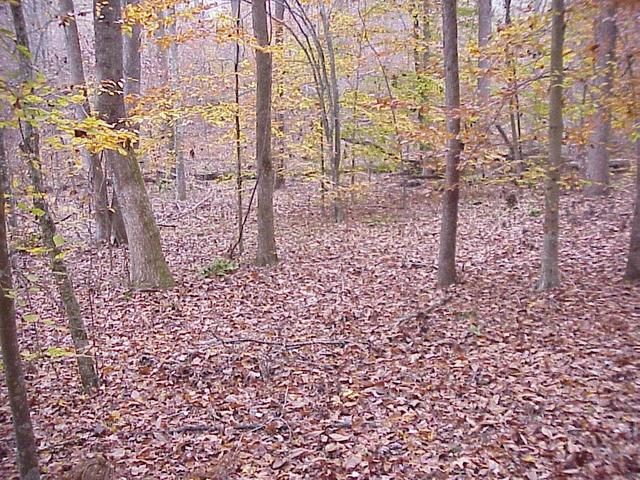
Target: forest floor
{"points": [[343, 361]]}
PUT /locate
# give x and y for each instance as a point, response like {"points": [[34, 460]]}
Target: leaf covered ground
{"points": [[343, 361]]}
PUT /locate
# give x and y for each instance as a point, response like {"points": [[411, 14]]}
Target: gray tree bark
{"points": [[632, 271], [484, 32], [334, 91], [236, 10], [97, 181], [176, 138], [278, 35], [5, 181], [266, 254], [550, 271], [148, 266], [449, 226], [30, 147], [132, 60], [422, 34], [14, 378], [598, 154]]}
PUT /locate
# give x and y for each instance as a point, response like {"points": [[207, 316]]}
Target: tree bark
{"points": [[448, 231], [266, 254], [97, 181], [484, 32], [236, 10], [632, 272], [132, 60], [176, 147], [30, 147], [278, 34], [422, 33], [598, 155], [336, 119], [148, 265], [550, 271], [14, 378], [5, 181], [514, 110]]}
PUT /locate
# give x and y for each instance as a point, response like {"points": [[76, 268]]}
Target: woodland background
{"points": [[418, 317]]}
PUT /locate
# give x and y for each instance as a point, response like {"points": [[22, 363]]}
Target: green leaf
{"points": [[30, 317], [58, 240], [38, 212], [57, 352]]}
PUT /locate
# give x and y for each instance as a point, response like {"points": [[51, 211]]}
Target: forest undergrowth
{"points": [[343, 361]]}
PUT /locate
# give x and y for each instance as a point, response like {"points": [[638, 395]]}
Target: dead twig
{"points": [[422, 314], [284, 344]]}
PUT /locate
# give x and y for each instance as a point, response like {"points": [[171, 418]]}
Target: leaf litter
{"points": [[343, 361]]}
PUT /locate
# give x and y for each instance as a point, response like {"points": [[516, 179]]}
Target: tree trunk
{"points": [[550, 272], [514, 111], [27, 456], [598, 156], [336, 120], [5, 181], [422, 33], [278, 35], [266, 238], [97, 181], [236, 9], [178, 150], [31, 149], [448, 231], [632, 272], [484, 32], [132, 61], [148, 266]]}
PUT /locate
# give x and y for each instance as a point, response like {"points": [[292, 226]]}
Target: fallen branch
{"points": [[284, 344], [422, 314]]}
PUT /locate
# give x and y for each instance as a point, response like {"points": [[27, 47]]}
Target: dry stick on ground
{"points": [[284, 344], [422, 314]]}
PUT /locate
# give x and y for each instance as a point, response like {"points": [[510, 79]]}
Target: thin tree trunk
{"points": [[484, 79], [97, 181], [178, 150], [598, 157], [550, 272], [335, 114], [278, 34], [5, 181], [422, 34], [513, 108], [132, 60], [26, 447], [266, 254], [148, 266], [484, 32], [27, 456], [166, 133], [236, 6], [448, 231], [632, 272], [31, 149]]}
